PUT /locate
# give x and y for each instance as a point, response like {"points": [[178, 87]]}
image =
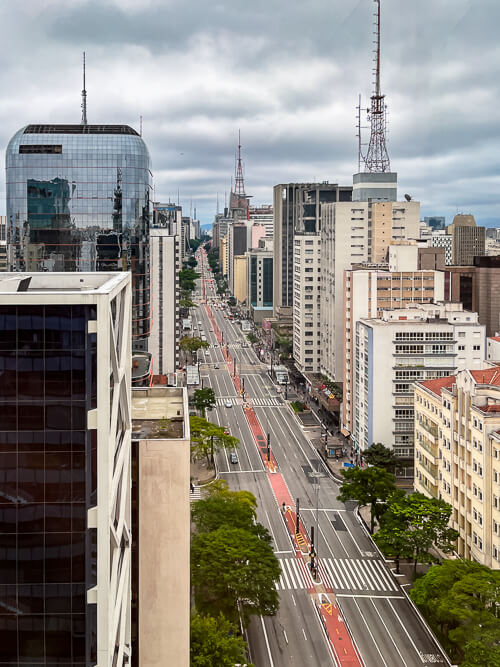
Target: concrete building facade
{"points": [[237, 247], [367, 293], [306, 303], [297, 208], [468, 240], [239, 290], [347, 238], [442, 239], [260, 278], [161, 521], [457, 456], [397, 349], [65, 505], [3, 243], [165, 328]]}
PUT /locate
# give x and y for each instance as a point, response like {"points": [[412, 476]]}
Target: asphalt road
{"points": [[385, 628]]}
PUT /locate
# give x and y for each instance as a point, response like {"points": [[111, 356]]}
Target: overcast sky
{"points": [[287, 73]]}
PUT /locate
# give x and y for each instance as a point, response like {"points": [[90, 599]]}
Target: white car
{"points": [[228, 404]]}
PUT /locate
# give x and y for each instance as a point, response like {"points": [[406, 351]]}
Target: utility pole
{"points": [[268, 447]]}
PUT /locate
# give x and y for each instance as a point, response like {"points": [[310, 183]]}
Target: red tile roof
{"points": [[497, 338], [487, 376], [488, 408], [439, 383]]}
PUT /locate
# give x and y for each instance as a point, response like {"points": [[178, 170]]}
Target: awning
{"points": [[345, 432]]}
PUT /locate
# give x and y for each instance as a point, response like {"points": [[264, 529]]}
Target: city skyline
{"points": [[290, 81]]}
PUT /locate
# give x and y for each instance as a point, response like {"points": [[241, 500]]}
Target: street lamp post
{"points": [[243, 387], [314, 551], [268, 447], [286, 389]]}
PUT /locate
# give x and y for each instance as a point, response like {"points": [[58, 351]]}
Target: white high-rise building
{"points": [[352, 233], [306, 306], [395, 350], [165, 330]]}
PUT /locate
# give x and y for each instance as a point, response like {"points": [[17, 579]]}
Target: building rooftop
{"points": [[487, 376], [80, 129], [488, 408], [159, 413], [60, 282], [437, 384]]}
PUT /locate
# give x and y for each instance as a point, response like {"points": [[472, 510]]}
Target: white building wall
{"points": [[165, 264], [394, 351], [306, 302]]}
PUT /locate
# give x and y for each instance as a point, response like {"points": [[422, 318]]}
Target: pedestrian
{"points": [[191, 486]]}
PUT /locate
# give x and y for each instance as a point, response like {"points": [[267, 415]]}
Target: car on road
{"points": [[228, 404], [278, 390], [216, 366], [233, 457], [226, 431]]}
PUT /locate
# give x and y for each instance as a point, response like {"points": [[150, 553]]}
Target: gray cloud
{"points": [[287, 73]]}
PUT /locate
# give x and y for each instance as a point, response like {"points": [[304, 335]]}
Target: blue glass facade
{"points": [[78, 199]]}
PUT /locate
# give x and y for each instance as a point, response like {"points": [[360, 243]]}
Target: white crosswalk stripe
{"points": [[340, 574], [357, 574], [294, 575], [195, 494], [266, 402], [221, 401]]}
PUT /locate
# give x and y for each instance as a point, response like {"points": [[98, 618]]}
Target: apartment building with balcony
{"points": [[306, 306], [393, 351], [367, 293], [457, 456]]}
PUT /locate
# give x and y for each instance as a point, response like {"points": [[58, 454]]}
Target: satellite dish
{"points": [[408, 197]]}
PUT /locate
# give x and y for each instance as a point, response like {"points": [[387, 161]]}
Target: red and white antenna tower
{"points": [[239, 182], [377, 158]]}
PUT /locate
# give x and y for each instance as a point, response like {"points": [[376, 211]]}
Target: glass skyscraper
{"points": [[78, 199]]}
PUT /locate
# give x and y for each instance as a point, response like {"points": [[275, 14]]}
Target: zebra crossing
{"points": [[266, 402], [340, 574], [195, 494], [294, 575], [221, 401]]}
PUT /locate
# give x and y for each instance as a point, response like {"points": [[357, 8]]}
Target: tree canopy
{"points": [[460, 600], [204, 399], [380, 456], [187, 279], [192, 344], [215, 643], [367, 486], [423, 522], [229, 509], [232, 569], [208, 438]]}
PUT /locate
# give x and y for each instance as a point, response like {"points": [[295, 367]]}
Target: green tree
{"points": [[194, 244], [460, 600], [227, 509], [204, 399], [215, 642], [207, 439], [219, 487], [426, 520], [234, 572], [192, 345], [380, 456], [252, 338], [368, 486], [192, 262], [391, 538], [187, 279]]}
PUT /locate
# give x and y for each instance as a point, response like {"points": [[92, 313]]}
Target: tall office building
{"points": [[468, 240], [351, 233], [165, 266], [297, 209], [3, 243], [78, 199], [65, 527]]}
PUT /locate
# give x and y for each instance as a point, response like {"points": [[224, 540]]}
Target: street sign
{"points": [[349, 465]]}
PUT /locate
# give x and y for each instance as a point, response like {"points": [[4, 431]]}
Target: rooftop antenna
{"points": [[377, 158], [178, 197], [239, 183], [140, 125], [217, 209], [84, 96]]}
